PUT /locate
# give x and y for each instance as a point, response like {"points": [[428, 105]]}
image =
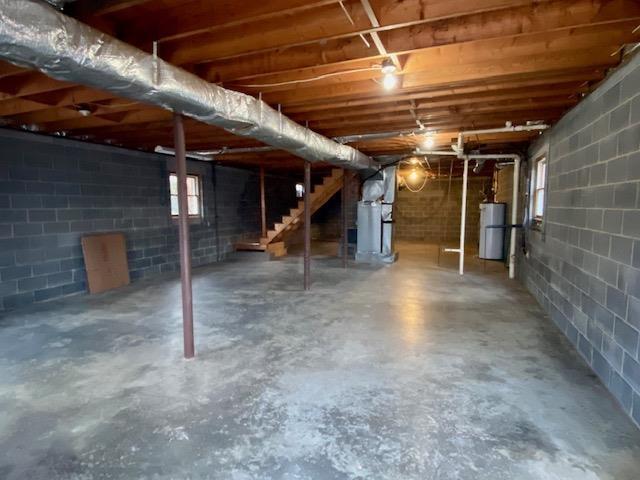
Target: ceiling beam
{"points": [[542, 81], [507, 22], [567, 90], [84, 9], [498, 69], [426, 60], [312, 27], [197, 17]]}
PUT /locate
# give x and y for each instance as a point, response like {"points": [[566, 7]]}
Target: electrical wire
{"points": [[306, 80]]}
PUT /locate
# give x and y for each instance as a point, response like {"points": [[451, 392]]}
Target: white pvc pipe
{"points": [[514, 217], [172, 152], [513, 128], [494, 156], [463, 214], [436, 152]]}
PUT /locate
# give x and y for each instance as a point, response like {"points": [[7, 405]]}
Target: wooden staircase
{"points": [[274, 242]]}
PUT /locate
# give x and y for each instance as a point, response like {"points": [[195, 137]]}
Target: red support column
{"points": [[263, 205], [345, 233], [183, 229], [307, 225]]}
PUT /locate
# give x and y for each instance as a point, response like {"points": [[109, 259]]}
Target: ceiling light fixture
{"points": [[388, 66], [428, 142], [412, 173], [389, 81], [83, 110]]}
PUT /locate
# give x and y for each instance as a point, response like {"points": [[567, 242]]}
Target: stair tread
{"points": [[250, 246]]}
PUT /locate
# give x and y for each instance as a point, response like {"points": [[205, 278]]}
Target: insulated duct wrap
{"points": [[34, 35], [373, 189]]}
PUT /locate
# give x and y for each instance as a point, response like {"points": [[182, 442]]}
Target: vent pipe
{"points": [[34, 35]]}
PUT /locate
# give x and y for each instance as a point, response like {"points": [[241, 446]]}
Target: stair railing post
{"points": [[307, 225]]}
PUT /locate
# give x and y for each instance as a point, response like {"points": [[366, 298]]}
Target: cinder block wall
{"points": [[52, 191], [504, 189], [584, 265], [280, 195], [428, 215]]}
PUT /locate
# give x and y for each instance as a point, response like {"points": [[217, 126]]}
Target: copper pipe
{"points": [[183, 229], [307, 225], [263, 207]]}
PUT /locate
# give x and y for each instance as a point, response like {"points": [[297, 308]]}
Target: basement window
{"points": [[539, 189], [194, 198], [299, 190]]}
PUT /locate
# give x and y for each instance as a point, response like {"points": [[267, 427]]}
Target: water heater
{"points": [[492, 217]]}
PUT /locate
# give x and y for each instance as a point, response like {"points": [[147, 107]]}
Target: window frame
{"points": [[539, 185], [200, 203]]}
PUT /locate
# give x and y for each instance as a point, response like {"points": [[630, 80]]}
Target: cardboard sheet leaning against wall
{"points": [[105, 258]]}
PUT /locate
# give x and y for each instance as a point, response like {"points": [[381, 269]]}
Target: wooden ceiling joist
{"points": [[510, 23], [464, 64]]}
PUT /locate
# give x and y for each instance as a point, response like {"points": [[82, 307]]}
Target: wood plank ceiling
{"points": [[463, 64]]}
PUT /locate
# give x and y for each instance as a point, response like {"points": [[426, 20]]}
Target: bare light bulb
{"points": [[428, 143], [389, 81], [413, 176], [388, 66]]}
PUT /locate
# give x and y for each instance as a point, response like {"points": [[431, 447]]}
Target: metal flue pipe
{"points": [[35, 35], [59, 3]]}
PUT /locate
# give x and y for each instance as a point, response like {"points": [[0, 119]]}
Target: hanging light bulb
{"points": [[414, 175], [389, 81], [388, 66], [428, 143]]}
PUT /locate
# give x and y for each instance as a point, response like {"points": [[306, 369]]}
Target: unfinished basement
{"points": [[320, 239]]}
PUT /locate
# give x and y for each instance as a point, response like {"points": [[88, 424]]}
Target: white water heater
{"points": [[492, 217]]}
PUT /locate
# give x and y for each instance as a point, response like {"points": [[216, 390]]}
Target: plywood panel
{"points": [[105, 258]]}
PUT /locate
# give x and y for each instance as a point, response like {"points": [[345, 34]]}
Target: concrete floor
{"points": [[401, 372]]}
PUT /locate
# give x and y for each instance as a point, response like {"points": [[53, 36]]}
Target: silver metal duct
{"points": [[34, 35], [60, 4]]}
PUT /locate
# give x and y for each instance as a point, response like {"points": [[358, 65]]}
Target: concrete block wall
{"points": [[583, 265], [504, 189], [280, 195], [428, 216], [53, 191]]}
